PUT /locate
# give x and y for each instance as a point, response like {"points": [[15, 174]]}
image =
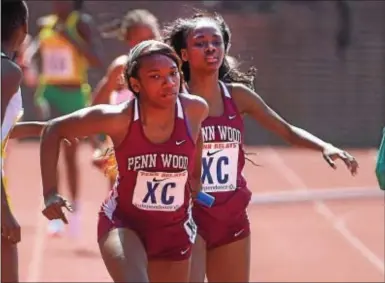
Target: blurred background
{"points": [[321, 64]]}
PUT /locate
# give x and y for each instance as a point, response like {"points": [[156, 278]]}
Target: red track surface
{"points": [[338, 241]]}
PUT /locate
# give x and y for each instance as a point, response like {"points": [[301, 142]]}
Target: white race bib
{"points": [[58, 62], [220, 166], [159, 191]]}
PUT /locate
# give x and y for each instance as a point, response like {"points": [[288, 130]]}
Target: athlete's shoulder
{"points": [[11, 77], [245, 97], [113, 109], [239, 88], [195, 105], [117, 115], [192, 98], [10, 71]]}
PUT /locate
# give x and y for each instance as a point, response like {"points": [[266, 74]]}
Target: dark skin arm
{"points": [[10, 82], [10, 228], [11, 78], [248, 102], [27, 130], [113, 120], [196, 180], [196, 110], [86, 122]]}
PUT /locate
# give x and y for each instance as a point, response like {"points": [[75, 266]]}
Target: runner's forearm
{"points": [[27, 130]]}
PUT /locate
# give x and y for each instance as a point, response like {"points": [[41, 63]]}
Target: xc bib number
{"points": [[159, 191], [220, 166]]}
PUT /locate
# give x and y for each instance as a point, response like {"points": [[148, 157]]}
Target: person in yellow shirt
{"points": [[66, 47]]}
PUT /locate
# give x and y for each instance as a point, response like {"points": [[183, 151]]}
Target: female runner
{"points": [[145, 229], [222, 249]]}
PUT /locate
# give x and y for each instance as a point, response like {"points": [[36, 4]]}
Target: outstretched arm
{"points": [[250, 103], [27, 130]]}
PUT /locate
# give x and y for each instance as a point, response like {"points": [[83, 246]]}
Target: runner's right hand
{"points": [[10, 228], [54, 205]]}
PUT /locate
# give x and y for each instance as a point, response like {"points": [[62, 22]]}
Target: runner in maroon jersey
{"points": [[222, 250], [147, 216]]}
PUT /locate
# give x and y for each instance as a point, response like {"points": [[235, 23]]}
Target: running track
{"points": [[333, 240]]}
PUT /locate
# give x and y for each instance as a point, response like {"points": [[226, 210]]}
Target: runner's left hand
{"points": [[331, 153], [54, 204]]}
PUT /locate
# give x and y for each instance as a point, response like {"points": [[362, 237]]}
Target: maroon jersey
{"points": [[223, 161], [151, 189]]}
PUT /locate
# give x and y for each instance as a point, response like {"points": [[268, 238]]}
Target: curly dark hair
{"points": [[176, 34], [145, 49]]}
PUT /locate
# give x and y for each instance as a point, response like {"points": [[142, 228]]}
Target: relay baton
{"points": [[205, 199]]}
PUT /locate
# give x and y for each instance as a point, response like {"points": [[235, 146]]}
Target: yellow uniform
{"points": [[62, 64]]}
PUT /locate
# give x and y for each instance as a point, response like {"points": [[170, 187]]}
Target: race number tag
{"points": [[157, 191], [220, 166], [58, 62]]}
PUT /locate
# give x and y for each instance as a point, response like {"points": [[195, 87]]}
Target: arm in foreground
{"points": [[197, 111], [24, 130], [85, 122]]}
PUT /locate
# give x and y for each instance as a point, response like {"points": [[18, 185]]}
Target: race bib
{"points": [[220, 166], [157, 191], [58, 62]]}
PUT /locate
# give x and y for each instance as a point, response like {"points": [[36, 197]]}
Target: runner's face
{"points": [[137, 34], [205, 47], [158, 80]]}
